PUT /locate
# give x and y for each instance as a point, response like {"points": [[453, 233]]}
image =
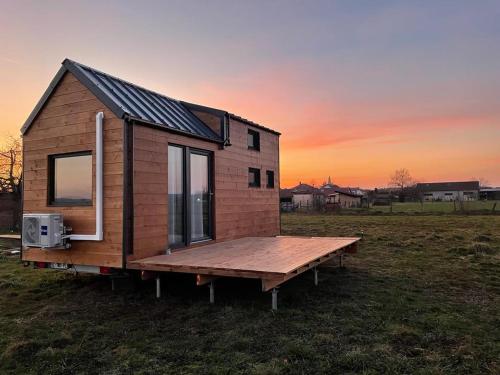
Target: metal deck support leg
{"points": [[274, 301], [158, 287], [341, 261], [212, 292], [112, 284], [315, 269]]}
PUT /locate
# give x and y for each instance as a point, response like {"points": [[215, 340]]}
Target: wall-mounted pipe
{"points": [[99, 186]]}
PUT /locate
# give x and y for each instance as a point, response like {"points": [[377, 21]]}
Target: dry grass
{"points": [[422, 296]]}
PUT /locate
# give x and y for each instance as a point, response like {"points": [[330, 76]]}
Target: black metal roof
{"points": [[220, 112], [125, 99], [448, 186]]}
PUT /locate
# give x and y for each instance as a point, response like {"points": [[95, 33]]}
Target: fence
{"points": [[478, 206], [10, 210]]}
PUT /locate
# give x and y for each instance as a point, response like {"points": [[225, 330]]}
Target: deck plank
{"points": [[271, 256]]}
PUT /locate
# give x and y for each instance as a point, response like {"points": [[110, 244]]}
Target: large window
{"points": [[189, 196], [253, 177], [253, 140], [175, 195], [270, 179], [70, 179]]}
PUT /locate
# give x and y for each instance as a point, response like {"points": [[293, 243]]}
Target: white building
{"points": [[449, 191]]}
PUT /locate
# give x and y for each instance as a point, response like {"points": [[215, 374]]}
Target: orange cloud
{"points": [[353, 144]]}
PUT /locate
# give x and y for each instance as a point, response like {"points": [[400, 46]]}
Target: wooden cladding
{"points": [[66, 124], [239, 211], [150, 189], [136, 183]]}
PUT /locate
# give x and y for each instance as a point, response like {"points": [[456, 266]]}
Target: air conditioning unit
{"points": [[43, 230]]}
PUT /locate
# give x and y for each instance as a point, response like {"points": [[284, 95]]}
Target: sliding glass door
{"points": [[200, 196], [189, 195], [176, 196]]}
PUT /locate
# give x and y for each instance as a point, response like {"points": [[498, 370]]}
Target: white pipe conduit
{"points": [[99, 163]]}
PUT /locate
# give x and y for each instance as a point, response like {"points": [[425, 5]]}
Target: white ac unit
{"points": [[43, 230]]}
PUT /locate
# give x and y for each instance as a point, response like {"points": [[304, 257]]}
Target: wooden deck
{"points": [[274, 260]]}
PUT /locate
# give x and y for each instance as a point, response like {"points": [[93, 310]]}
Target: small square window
{"points": [[253, 177], [70, 179], [253, 140], [270, 179]]}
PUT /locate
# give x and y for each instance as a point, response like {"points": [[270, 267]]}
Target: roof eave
{"points": [[254, 124], [34, 113], [214, 111], [70, 66]]}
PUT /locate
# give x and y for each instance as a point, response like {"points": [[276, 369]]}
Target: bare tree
{"points": [[11, 166], [11, 175], [483, 182], [401, 179]]}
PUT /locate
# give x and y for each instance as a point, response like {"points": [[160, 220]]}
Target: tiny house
{"points": [[118, 177], [135, 173]]}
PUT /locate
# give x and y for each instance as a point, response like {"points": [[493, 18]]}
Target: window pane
{"points": [[73, 178], [175, 195], [250, 140], [199, 197], [253, 177], [270, 179], [253, 140]]}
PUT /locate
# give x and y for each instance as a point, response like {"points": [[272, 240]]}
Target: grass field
{"points": [[440, 207], [422, 296]]}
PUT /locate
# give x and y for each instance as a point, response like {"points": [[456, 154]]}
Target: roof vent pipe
{"points": [[99, 162], [225, 130]]}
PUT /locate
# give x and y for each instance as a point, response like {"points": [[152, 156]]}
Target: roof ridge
{"points": [[118, 79], [126, 99], [94, 71], [448, 182]]}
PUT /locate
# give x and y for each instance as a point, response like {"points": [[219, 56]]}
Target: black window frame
{"points": [[186, 176], [256, 140], [270, 178], [51, 200], [256, 183]]}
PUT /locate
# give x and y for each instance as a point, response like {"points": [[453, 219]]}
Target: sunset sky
{"points": [[357, 88]]}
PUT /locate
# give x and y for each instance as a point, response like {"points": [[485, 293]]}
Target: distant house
{"points": [[304, 196], [344, 199], [329, 188], [449, 191], [307, 196]]}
